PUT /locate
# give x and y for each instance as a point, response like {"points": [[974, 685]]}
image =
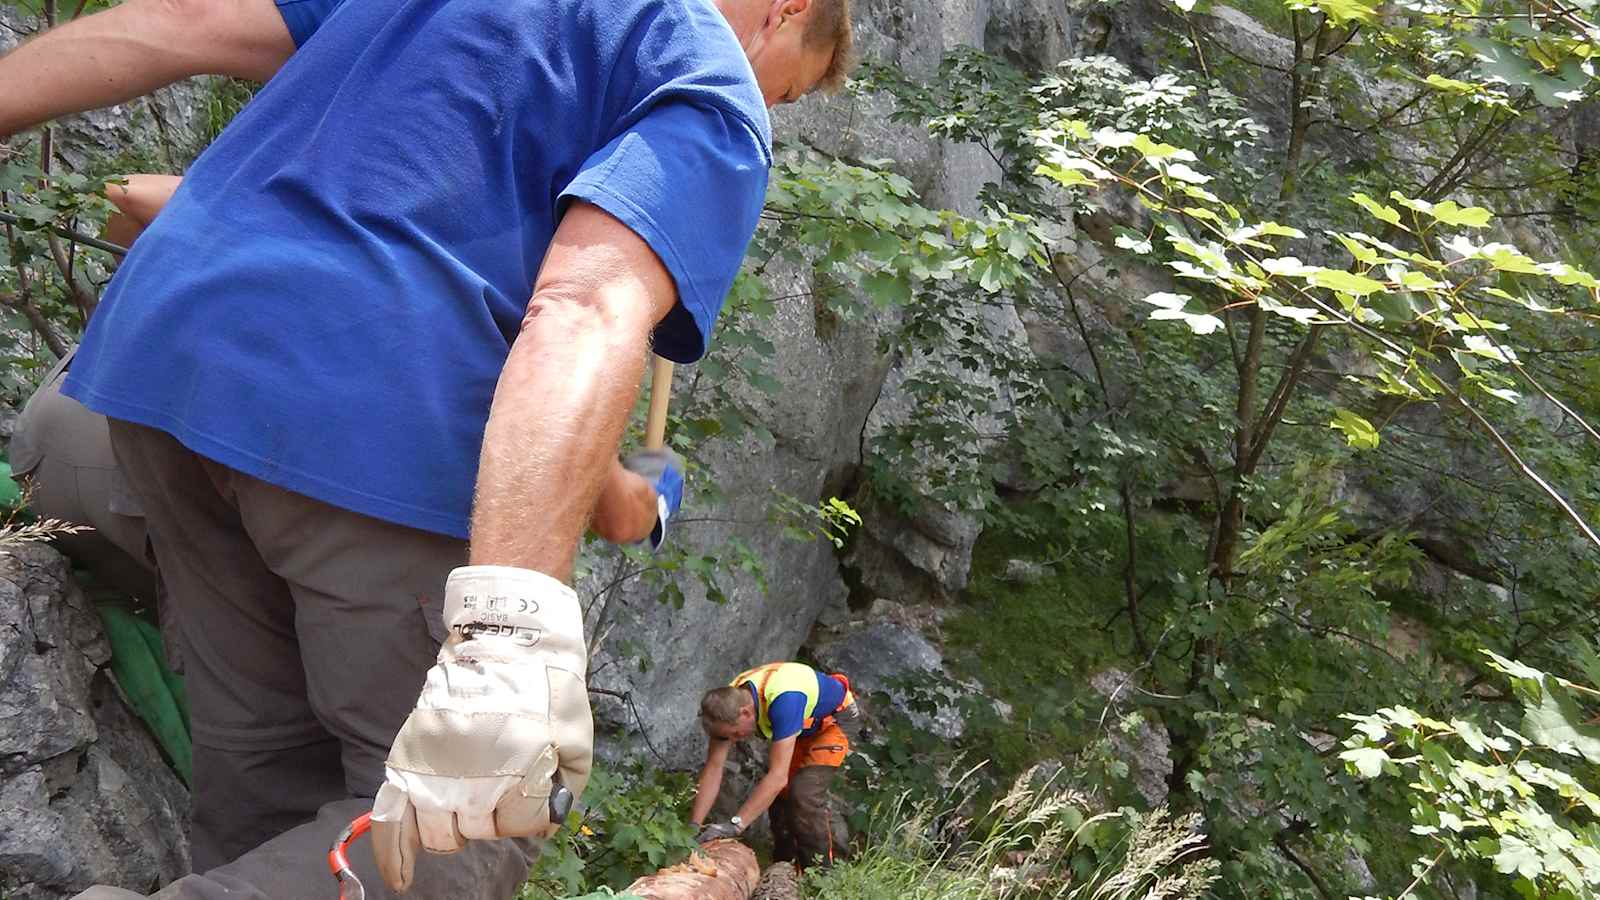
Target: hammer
{"points": [[655, 424]]}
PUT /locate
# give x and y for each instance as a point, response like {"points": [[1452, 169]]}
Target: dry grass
{"points": [[1025, 850]]}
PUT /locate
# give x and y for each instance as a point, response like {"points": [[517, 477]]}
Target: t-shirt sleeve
{"points": [[690, 179], [787, 714], [304, 17]]}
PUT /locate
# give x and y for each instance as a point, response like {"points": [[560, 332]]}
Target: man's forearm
{"points": [[564, 396], [134, 48], [762, 795], [705, 795], [558, 415]]}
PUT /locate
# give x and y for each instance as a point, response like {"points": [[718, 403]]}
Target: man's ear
{"points": [[784, 9]]}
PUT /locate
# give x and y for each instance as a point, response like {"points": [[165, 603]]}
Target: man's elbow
{"points": [[606, 322]]}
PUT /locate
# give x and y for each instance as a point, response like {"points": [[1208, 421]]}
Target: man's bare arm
{"points": [[771, 784], [565, 393], [710, 784], [133, 48]]}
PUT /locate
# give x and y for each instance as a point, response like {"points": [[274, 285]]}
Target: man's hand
{"points": [[502, 712], [138, 201], [718, 831], [664, 470]]}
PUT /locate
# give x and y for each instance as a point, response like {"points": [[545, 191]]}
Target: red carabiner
{"points": [[339, 863]]}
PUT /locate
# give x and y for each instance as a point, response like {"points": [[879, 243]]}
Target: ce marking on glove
{"points": [[498, 604]]}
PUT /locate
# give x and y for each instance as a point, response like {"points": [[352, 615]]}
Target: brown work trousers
{"points": [[802, 816], [306, 632]]}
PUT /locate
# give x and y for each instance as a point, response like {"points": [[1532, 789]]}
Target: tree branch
{"points": [[24, 304], [1281, 395], [1311, 875]]}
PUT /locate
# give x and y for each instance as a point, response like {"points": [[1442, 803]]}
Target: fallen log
{"points": [[722, 870], [781, 881]]}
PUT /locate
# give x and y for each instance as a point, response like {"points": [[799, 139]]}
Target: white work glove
{"points": [[504, 709]]}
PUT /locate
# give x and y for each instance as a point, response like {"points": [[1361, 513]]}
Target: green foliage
{"points": [[1517, 799], [48, 284], [222, 98], [1200, 480], [1035, 643], [630, 824], [1036, 841]]}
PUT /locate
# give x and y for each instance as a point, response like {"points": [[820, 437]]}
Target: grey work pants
{"points": [[306, 632], [61, 454]]}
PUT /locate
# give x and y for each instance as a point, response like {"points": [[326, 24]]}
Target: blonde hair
{"points": [[721, 706], [830, 26]]}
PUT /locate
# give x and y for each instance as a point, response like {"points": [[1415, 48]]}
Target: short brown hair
{"points": [[830, 25], [721, 706]]}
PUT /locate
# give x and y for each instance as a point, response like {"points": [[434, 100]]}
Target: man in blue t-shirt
{"points": [[324, 373]]}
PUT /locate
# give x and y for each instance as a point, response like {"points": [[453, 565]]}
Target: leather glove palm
{"points": [[504, 710], [717, 831]]}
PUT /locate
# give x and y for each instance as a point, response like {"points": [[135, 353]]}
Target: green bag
{"points": [[155, 691], [10, 491]]}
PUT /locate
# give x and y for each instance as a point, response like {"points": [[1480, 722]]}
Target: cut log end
{"points": [[781, 881]]}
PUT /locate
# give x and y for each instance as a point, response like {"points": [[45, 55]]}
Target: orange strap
{"points": [[849, 695]]}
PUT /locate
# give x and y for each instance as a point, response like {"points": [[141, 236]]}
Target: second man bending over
{"points": [[810, 718]]}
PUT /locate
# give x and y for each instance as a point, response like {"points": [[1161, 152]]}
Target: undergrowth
{"points": [[1040, 841]]}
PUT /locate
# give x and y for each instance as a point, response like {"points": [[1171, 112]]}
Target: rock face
{"points": [[1145, 746], [673, 655], [881, 657], [85, 795]]}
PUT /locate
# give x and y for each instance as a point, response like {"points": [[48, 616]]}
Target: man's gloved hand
{"points": [[716, 831], [503, 713], [664, 470]]}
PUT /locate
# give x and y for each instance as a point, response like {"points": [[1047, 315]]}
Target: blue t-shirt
{"points": [[303, 16], [788, 710], [327, 301]]}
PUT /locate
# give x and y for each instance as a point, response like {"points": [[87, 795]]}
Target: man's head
{"points": [[728, 713], [799, 46]]}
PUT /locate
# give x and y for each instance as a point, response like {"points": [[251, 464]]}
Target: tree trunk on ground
{"points": [[722, 870], [781, 881]]}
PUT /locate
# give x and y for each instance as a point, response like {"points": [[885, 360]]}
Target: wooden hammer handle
{"points": [[655, 425]]}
